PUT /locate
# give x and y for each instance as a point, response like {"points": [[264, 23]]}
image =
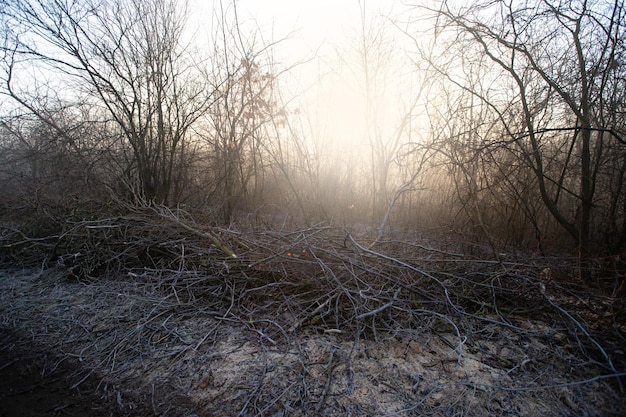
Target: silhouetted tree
{"points": [[551, 77], [125, 57]]}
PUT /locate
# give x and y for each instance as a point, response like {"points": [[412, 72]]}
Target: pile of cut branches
{"points": [[322, 279]]}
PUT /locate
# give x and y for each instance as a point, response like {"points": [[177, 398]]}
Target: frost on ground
{"points": [[168, 344], [149, 312]]}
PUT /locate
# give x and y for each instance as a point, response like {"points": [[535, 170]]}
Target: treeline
{"points": [[516, 137]]}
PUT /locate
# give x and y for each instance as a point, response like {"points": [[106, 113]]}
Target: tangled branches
{"points": [[282, 287]]}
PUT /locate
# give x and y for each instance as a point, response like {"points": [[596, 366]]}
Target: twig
{"points": [[381, 308], [329, 375], [218, 244], [311, 315]]}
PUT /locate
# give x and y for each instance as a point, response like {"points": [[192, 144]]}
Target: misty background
{"points": [[497, 124]]}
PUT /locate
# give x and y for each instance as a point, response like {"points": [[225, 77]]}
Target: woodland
{"points": [[180, 235]]}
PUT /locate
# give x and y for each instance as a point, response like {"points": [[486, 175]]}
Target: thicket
{"points": [[515, 142]]}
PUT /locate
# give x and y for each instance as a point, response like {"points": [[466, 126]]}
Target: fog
{"points": [[500, 122]]}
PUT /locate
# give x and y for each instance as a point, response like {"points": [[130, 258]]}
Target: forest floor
{"points": [[302, 324]]}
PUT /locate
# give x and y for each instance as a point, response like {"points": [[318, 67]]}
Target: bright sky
{"points": [[330, 88], [311, 24]]}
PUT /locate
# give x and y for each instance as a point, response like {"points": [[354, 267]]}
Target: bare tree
{"points": [[554, 85], [125, 57], [236, 129], [377, 67]]}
